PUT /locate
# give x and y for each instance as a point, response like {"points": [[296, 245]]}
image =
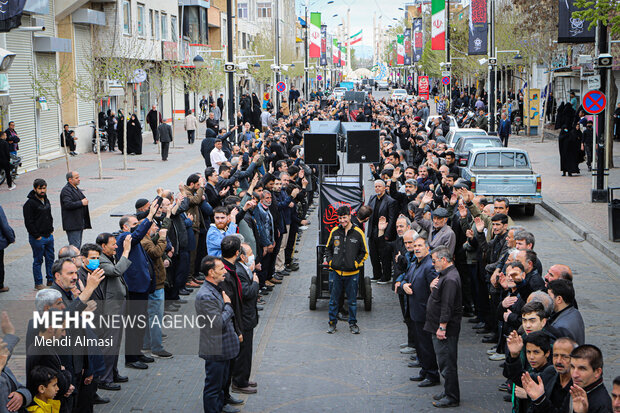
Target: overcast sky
{"points": [[361, 14]]}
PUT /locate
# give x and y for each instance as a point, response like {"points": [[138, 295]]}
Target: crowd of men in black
{"points": [[230, 233]]}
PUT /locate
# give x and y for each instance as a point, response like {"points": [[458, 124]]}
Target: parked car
{"points": [[457, 133], [339, 92], [383, 85], [504, 173], [399, 94], [429, 122], [467, 143]]}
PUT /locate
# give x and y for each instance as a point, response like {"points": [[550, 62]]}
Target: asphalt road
{"points": [[297, 365]]}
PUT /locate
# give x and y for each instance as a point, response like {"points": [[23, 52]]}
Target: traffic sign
{"points": [[594, 102], [281, 87], [445, 80], [409, 78], [594, 82], [445, 73], [319, 77]]}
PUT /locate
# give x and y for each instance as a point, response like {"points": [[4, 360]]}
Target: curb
{"points": [[593, 239]]}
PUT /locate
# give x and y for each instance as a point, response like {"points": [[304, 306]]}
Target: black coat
{"points": [[569, 143], [249, 296], [134, 136], [420, 275], [387, 209], [75, 216], [5, 153], [230, 286], [38, 216]]}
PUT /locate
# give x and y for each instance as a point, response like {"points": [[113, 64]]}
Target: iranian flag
{"points": [[343, 55], [400, 49], [314, 34], [356, 38], [438, 29], [335, 52]]}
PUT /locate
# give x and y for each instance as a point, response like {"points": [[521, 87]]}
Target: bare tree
{"points": [[57, 85]]}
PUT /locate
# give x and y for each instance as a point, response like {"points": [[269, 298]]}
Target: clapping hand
{"points": [[580, 399], [534, 390], [382, 224], [479, 224], [515, 344]]}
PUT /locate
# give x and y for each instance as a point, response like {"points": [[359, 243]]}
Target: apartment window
{"points": [[126, 17], [173, 28], [164, 26], [140, 20], [156, 25], [264, 9], [242, 12], [152, 22]]}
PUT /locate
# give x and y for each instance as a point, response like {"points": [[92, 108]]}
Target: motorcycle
{"points": [[15, 162], [517, 125], [203, 115], [103, 139], [469, 121]]}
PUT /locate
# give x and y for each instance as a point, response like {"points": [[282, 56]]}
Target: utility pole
{"points": [[448, 52], [492, 99], [306, 63], [276, 94], [602, 141], [230, 58], [348, 39]]}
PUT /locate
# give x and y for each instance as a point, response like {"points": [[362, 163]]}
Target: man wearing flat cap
{"points": [[439, 232]]}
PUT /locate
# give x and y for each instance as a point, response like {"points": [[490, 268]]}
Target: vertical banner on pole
{"points": [[407, 47], [335, 51], [418, 40], [478, 27], [438, 25], [570, 29], [343, 55], [323, 60], [339, 64], [423, 87], [400, 49], [315, 35]]}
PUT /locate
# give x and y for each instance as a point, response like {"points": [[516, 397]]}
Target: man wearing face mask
{"points": [[249, 294], [138, 278]]}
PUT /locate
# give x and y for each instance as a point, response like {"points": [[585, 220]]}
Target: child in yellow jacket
{"points": [[44, 386]]}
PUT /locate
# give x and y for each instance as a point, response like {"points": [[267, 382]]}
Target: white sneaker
{"points": [[407, 350], [403, 345], [12, 187], [303, 228], [497, 357], [491, 351]]}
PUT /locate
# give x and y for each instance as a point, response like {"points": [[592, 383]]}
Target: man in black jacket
{"points": [[165, 136], [249, 295], [231, 249], [444, 311], [40, 226], [384, 212], [74, 210], [345, 253], [586, 364], [5, 160]]}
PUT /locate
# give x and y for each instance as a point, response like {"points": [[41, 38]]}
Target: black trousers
{"points": [[201, 251], [7, 173], [85, 400], [243, 363], [380, 258], [466, 290], [136, 307], [154, 130], [191, 136], [112, 139], [1, 268], [447, 356], [411, 335], [213, 391], [164, 150], [426, 352], [290, 243]]}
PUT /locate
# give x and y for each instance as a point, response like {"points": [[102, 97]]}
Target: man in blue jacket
{"points": [[139, 280], [504, 129], [416, 286]]}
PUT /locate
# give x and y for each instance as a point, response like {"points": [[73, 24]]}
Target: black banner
{"points": [[418, 40], [407, 41], [323, 59], [11, 14], [571, 29], [333, 196], [478, 27]]}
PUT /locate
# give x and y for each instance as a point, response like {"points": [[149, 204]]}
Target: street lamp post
{"points": [[231, 79], [492, 67], [306, 94]]}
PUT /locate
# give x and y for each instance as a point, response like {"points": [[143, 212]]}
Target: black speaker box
{"points": [[320, 149], [363, 146]]}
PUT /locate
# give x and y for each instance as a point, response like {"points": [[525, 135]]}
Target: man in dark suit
{"points": [[381, 228], [74, 210], [220, 104], [504, 129], [416, 286], [249, 295], [164, 134], [219, 343]]}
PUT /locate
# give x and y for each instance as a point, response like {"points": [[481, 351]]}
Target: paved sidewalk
{"points": [[568, 198]]}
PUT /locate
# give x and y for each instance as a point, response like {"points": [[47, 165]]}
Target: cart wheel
{"points": [[313, 293], [530, 209], [368, 294]]}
